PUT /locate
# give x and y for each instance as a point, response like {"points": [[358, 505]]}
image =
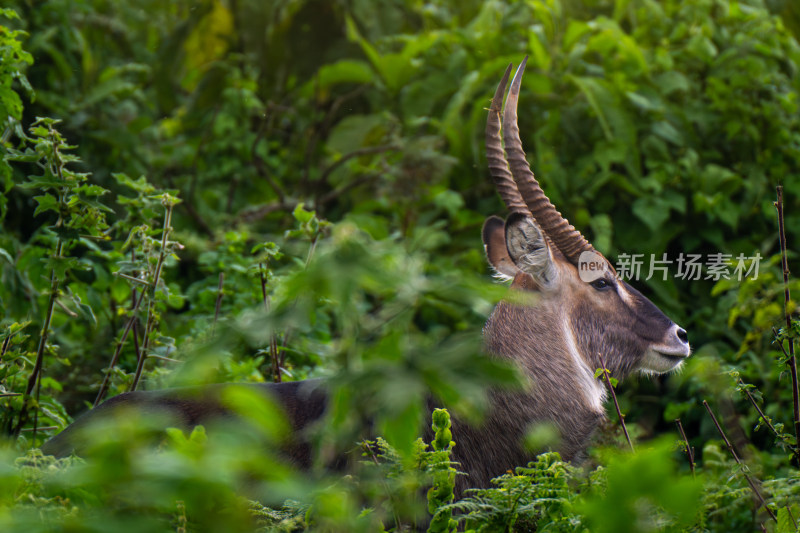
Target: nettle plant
{"points": [[141, 260], [51, 274], [78, 220]]}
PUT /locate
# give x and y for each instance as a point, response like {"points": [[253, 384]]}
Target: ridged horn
{"points": [[567, 239], [498, 166]]}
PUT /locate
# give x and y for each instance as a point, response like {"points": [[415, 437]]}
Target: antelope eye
{"points": [[601, 284]]}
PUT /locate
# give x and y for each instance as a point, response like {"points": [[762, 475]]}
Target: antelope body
{"points": [[556, 335]]}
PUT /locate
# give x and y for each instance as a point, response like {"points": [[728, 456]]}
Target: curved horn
{"points": [[567, 239], [498, 166]]}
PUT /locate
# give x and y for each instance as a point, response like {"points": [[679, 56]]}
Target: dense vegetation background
{"points": [[324, 160]]}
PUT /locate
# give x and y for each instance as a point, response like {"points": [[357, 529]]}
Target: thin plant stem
{"points": [[133, 279], [36, 412], [182, 521], [761, 413], [264, 287], [621, 417], [513, 513], [743, 467], [273, 340], [37, 368], [792, 363], [67, 310], [135, 330], [162, 358], [137, 352], [278, 359], [311, 249], [283, 348], [57, 169], [273, 348], [219, 302], [689, 450], [131, 324], [151, 304], [6, 344], [365, 446]]}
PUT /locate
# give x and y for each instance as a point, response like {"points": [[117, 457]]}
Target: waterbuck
{"points": [[556, 335]]}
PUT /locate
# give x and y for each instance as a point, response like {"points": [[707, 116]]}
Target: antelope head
{"points": [[573, 316]]}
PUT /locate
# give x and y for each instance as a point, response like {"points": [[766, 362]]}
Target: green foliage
{"points": [[80, 217], [364, 299], [13, 60], [329, 164], [128, 486], [645, 493], [786, 521], [444, 476], [533, 498]]}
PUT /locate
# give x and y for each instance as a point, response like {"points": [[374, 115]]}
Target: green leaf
{"points": [[539, 54], [91, 190], [66, 233], [575, 30], [702, 47], [636, 485], [597, 96], [671, 81], [41, 182], [11, 104], [61, 265], [85, 311], [343, 71], [301, 215], [449, 200], [8, 13], [95, 204], [356, 131], [6, 176], [785, 519], [651, 211], [46, 203], [400, 429], [644, 102], [7, 256], [668, 132]]}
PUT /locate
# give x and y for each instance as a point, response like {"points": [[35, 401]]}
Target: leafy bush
{"points": [[149, 215]]}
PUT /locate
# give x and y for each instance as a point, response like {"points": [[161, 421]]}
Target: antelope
{"points": [[556, 335]]}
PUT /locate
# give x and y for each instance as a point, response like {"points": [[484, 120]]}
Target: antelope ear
{"points": [[528, 248], [494, 242]]}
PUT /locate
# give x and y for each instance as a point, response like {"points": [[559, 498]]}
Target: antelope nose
{"points": [[682, 335]]}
